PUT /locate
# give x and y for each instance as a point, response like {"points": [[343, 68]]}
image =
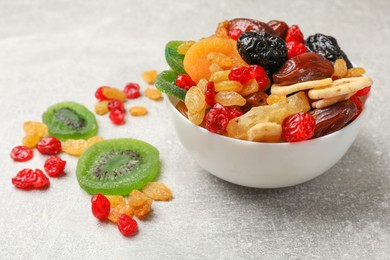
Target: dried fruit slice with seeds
{"points": [[117, 166]]}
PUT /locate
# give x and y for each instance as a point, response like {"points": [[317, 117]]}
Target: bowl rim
{"points": [[357, 120]]}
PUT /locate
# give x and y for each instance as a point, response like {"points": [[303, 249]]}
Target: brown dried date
{"points": [[256, 99], [279, 27], [304, 67], [245, 24], [333, 118]]}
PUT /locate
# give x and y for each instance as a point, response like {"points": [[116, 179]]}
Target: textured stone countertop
{"points": [[52, 51]]}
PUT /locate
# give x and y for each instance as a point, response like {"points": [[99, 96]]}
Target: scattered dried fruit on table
{"points": [[138, 111], [127, 225], [21, 153], [54, 166], [27, 179], [100, 206], [149, 76], [49, 146], [153, 94], [157, 191], [35, 128], [142, 211], [132, 90]]}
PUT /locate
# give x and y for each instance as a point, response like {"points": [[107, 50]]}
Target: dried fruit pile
{"points": [[264, 82]]}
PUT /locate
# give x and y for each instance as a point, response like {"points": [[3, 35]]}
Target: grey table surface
{"points": [[51, 51]]}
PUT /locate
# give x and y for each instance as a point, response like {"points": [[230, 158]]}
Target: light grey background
{"points": [[51, 51]]}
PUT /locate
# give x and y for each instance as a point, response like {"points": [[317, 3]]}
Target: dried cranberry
{"points": [[99, 93], [298, 127], [241, 74], [234, 33], [100, 206], [117, 116], [54, 166], [359, 105], [28, 179], [294, 34], [132, 90], [217, 119], [127, 225], [21, 153], [258, 73], [295, 48], [234, 111], [363, 92], [184, 81], [115, 104], [210, 93], [49, 146]]}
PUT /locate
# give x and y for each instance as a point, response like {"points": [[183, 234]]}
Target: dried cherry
{"points": [[28, 179], [298, 127], [100, 206], [210, 93], [49, 146], [117, 116], [127, 225], [217, 119], [115, 104], [294, 34], [54, 166], [132, 90], [22, 153]]}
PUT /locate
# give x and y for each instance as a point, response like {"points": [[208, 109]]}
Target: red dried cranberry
{"points": [[298, 127], [234, 111], [54, 166], [28, 179], [100, 206], [117, 116], [258, 73], [127, 225], [359, 105], [132, 90], [234, 33], [295, 48], [210, 93], [21, 153], [184, 81], [49, 146], [115, 104], [294, 34], [363, 92], [241, 74], [217, 119], [99, 93]]}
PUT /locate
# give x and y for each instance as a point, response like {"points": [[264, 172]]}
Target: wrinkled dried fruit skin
{"points": [[327, 47], [245, 24], [279, 27], [304, 67], [333, 118], [264, 49], [157, 191], [256, 99]]}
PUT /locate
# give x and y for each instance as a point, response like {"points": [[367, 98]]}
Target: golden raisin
{"points": [[157, 191], [143, 210], [221, 59], [31, 140], [120, 209], [355, 72], [114, 93], [229, 98], [340, 68], [249, 88], [35, 128], [220, 76], [153, 94], [228, 85], [116, 200], [183, 48], [214, 67], [181, 107], [74, 147], [137, 198], [138, 111], [101, 108], [149, 76]]}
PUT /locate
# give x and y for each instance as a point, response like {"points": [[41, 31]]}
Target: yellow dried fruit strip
{"points": [[157, 191]]}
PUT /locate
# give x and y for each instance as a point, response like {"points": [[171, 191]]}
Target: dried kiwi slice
{"points": [[70, 120], [173, 58], [117, 166]]}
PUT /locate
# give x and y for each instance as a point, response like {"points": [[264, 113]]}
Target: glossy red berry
{"points": [[234, 33], [21, 153], [28, 179], [241, 74], [258, 73], [117, 116], [217, 119], [363, 92], [294, 34], [127, 225], [132, 90], [115, 104], [49, 146], [295, 48], [99, 93], [210, 93], [184, 81], [100, 206], [234, 111], [298, 127], [54, 166], [359, 105]]}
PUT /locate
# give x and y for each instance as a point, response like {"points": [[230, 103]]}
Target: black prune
{"points": [[327, 47], [264, 49]]}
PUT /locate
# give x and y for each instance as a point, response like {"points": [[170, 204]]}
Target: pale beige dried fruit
{"points": [[157, 191]]}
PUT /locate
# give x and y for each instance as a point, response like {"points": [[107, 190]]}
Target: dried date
{"points": [[279, 27], [245, 25], [304, 67], [333, 118]]}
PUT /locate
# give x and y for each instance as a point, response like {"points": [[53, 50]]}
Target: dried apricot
{"points": [[157, 191]]}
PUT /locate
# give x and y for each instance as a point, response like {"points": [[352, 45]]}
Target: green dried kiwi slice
{"points": [[70, 120], [117, 166], [173, 58], [165, 82]]}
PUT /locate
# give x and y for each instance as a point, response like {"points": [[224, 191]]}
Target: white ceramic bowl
{"points": [[262, 165]]}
